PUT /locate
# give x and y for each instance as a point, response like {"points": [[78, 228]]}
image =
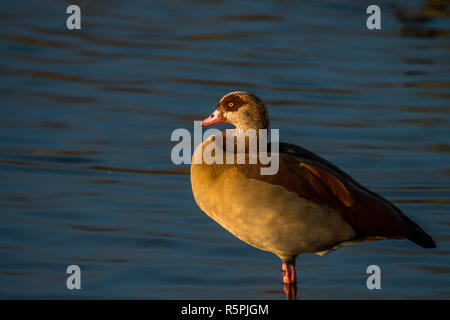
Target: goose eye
{"points": [[231, 104]]}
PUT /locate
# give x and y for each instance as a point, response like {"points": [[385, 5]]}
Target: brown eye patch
{"points": [[232, 102]]}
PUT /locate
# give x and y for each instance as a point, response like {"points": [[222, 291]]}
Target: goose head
{"points": [[242, 109]]}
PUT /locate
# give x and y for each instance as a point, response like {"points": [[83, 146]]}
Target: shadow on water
{"points": [[86, 119]]}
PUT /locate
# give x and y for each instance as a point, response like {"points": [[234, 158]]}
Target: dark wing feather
{"points": [[338, 188], [369, 213]]}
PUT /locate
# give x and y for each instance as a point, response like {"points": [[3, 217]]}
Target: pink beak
{"points": [[215, 117]]}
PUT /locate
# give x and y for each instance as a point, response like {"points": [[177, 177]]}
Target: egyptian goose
{"points": [[308, 206]]}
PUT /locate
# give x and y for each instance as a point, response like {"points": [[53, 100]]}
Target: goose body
{"points": [[308, 206], [261, 212]]}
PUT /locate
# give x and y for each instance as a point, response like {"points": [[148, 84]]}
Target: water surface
{"points": [[86, 118]]}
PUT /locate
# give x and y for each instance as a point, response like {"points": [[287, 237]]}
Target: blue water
{"points": [[86, 118]]}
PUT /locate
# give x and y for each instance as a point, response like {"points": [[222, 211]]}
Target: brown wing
{"points": [[315, 179], [365, 213], [318, 176]]}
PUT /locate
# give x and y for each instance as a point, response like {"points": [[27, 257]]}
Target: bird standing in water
{"points": [[308, 206]]}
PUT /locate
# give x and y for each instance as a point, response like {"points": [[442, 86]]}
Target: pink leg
{"points": [[289, 276], [291, 291]]}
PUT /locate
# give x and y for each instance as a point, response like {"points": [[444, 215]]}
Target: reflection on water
{"points": [[85, 125]]}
